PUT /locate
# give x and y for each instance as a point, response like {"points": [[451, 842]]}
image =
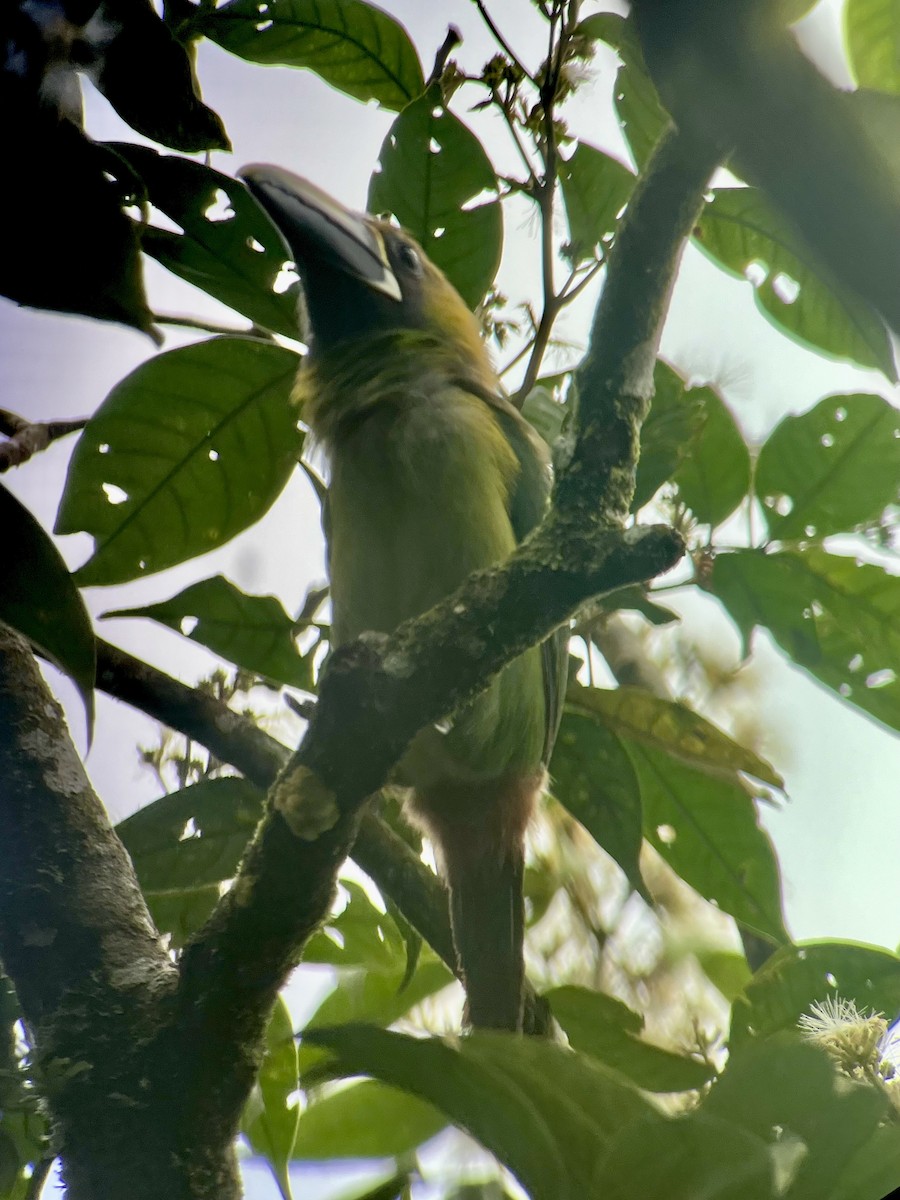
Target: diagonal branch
{"points": [[379, 691]]}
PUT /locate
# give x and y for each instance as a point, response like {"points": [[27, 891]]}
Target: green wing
{"points": [[527, 505]]}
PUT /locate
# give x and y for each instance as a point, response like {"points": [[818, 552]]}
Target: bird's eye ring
{"points": [[409, 258]]}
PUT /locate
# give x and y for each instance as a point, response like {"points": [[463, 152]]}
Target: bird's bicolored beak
{"points": [[317, 228]]}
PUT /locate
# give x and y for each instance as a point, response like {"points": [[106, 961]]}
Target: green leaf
{"points": [[366, 1120], [185, 844], [796, 976], [636, 597], [355, 47], [697, 1156], [873, 1171], [227, 247], [595, 189], [433, 171], [360, 936], [608, 1030], [192, 837], [706, 828], [188, 450], [594, 780], [742, 233], [672, 728], [785, 1090], [253, 632], [546, 1113], [833, 469], [39, 598], [676, 418], [271, 1117], [872, 33], [640, 113], [714, 477], [836, 618]]}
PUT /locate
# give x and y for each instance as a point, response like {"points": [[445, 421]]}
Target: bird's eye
{"points": [[409, 259]]}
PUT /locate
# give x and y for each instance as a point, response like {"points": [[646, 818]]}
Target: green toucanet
{"points": [[433, 474]]}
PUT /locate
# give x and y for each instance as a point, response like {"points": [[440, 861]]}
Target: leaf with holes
{"points": [[546, 1113], [606, 1029], [796, 977], [836, 618], [433, 173], [872, 34], [227, 247], [185, 845], [366, 1120], [188, 450], [355, 47], [595, 189], [832, 469], [714, 478], [271, 1115], [359, 936], [39, 599], [594, 780], [194, 837], [706, 828], [640, 113], [742, 233], [253, 632]]}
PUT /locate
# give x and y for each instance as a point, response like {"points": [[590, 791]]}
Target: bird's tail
{"points": [[479, 832]]}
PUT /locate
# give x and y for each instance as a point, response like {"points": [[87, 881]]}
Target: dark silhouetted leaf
{"points": [[253, 632], [836, 618], [184, 453], [832, 469], [147, 76], [353, 46], [40, 600], [228, 246], [433, 171]]}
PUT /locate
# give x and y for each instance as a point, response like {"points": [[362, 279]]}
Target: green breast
{"points": [[418, 500]]}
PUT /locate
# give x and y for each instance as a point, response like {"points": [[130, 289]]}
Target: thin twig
{"points": [[27, 438], [450, 42], [501, 40]]}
